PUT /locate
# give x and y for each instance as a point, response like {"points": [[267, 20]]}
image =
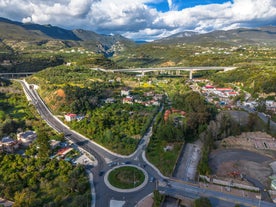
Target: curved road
{"points": [[107, 160]]}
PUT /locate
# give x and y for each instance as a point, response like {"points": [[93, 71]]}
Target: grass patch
{"points": [[163, 160], [126, 177]]}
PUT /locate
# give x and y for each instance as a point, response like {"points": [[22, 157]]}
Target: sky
{"points": [[143, 19]]}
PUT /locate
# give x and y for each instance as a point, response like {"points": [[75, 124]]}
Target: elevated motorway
{"points": [[16, 75], [142, 71]]}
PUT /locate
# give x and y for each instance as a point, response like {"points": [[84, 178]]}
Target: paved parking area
{"points": [[187, 164], [84, 160]]}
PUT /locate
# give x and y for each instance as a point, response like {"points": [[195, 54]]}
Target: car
{"points": [[112, 164], [101, 173], [152, 179]]}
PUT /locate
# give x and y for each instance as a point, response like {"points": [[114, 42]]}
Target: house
{"points": [[209, 87], [232, 93], [54, 144], [6, 203], [62, 152], [158, 97], [270, 105], [70, 117], [168, 148], [109, 100], [168, 112], [8, 144], [128, 100], [149, 94], [155, 103], [125, 92], [27, 137], [224, 90]]}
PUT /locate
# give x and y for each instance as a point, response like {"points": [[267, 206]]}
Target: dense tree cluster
{"points": [[30, 181], [13, 114], [116, 126], [34, 179], [198, 112], [173, 132]]}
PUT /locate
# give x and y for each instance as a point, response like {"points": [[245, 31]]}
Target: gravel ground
{"points": [[253, 164], [218, 157]]}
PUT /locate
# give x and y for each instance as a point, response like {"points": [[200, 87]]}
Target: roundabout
{"points": [[126, 178]]}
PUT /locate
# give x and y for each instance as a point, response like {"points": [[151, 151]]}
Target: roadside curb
{"points": [[107, 183], [93, 193]]}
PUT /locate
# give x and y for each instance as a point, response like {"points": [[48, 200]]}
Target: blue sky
{"points": [[163, 5], [143, 19]]}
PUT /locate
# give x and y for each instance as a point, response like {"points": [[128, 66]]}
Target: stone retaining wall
{"points": [[227, 183]]}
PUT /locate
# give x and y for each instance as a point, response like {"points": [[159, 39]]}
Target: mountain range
{"points": [[11, 32], [241, 36]]}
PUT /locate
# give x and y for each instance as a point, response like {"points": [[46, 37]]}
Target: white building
{"points": [[27, 137], [125, 92], [70, 117], [8, 144]]}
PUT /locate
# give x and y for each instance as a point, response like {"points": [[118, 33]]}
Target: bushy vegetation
{"points": [[198, 115], [115, 126], [14, 111], [34, 179], [158, 198], [250, 78], [30, 181]]}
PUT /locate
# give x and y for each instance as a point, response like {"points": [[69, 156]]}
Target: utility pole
{"points": [[134, 178]]}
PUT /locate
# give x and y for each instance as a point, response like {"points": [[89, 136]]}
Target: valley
{"points": [[79, 95]]}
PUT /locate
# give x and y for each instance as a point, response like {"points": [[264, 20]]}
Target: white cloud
{"points": [[137, 20], [170, 3]]}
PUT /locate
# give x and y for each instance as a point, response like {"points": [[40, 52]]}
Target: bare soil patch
{"points": [[60, 93], [249, 153]]}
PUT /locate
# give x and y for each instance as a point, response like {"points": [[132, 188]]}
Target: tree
{"points": [[43, 145], [252, 121], [158, 198]]}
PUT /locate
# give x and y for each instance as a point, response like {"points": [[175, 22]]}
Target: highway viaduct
{"points": [[16, 75], [143, 71]]}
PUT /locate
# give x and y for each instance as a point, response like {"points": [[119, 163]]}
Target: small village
{"points": [[224, 98], [65, 150]]}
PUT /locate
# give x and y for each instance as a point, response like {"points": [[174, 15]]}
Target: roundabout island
{"points": [[126, 178]]}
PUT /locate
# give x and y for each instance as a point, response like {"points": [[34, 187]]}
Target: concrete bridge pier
{"points": [[156, 72], [191, 74]]}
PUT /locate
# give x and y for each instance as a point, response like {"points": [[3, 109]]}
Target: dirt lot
{"points": [[249, 153]]}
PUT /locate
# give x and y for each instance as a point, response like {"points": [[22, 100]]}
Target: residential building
{"points": [[271, 106], [26, 138], [125, 92], [8, 144], [54, 143], [109, 100], [128, 100], [70, 117]]}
